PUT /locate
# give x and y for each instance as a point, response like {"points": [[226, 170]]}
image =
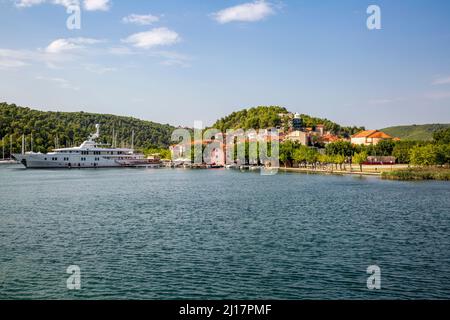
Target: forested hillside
{"points": [[270, 116], [72, 128], [415, 132]]}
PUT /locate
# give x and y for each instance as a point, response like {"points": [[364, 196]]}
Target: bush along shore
{"points": [[419, 173]]}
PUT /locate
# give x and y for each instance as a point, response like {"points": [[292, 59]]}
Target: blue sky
{"points": [[176, 61]]}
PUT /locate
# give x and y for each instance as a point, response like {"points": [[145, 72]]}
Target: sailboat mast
{"points": [[132, 140], [112, 138], [3, 145], [23, 144], [10, 147]]}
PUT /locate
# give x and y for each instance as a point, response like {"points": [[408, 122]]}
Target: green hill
{"points": [[415, 132], [72, 128], [263, 117]]}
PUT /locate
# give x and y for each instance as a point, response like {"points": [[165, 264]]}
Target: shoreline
{"points": [[391, 173], [329, 172]]}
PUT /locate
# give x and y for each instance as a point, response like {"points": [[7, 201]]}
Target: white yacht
{"points": [[89, 155]]}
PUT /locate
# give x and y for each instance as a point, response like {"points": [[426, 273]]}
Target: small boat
{"points": [[140, 163]]}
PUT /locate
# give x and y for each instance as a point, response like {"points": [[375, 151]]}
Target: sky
{"points": [[178, 61]]}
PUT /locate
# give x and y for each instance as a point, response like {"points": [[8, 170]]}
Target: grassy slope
{"points": [[415, 132]]}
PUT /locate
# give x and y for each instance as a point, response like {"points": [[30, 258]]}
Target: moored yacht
{"points": [[89, 154]]}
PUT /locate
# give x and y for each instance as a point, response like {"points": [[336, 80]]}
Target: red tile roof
{"points": [[372, 134]]}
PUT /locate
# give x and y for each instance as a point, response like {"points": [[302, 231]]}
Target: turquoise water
{"points": [[218, 234]]}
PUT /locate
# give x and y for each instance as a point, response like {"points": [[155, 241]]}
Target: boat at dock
{"points": [[89, 154]]}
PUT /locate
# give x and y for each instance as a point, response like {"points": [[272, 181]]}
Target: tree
{"points": [[339, 159], [442, 136], [402, 150], [385, 148], [72, 128], [344, 148], [443, 154], [164, 153], [424, 156], [300, 154], [286, 152], [360, 158]]}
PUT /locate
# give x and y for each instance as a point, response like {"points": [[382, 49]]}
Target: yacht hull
{"points": [[42, 161], [89, 154]]}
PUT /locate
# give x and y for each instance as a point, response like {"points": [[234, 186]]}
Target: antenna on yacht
{"points": [[96, 134]]}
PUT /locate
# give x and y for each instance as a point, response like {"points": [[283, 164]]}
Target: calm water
{"points": [[165, 234]]}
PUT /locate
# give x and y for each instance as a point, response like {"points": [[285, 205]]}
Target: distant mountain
{"points": [[263, 117], [422, 132], [72, 128]]}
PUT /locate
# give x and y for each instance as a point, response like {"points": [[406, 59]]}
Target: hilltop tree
{"points": [[262, 117]]}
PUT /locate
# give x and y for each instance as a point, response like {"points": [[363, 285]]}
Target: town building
{"points": [[369, 137], [329, 138], [298, 136], [297, 123]]}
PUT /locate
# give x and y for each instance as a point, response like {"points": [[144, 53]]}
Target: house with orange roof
{"points": [[329, 138], [370, 137]]}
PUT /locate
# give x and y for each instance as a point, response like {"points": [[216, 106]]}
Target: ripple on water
{"points": [[165, 234]]}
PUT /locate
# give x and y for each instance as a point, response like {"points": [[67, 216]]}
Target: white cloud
{"points": [[66, 3], [96, 5], [13, 58], [94, 68], [438, 95], [442, 80], [62, 83], [153, 38], [385, 101], [11, 63], [30, 3], [89, 5], [171, 58], [18, 58], [120, 51], [69, 44], [27, 3], [247, 12], [140, 19]]}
